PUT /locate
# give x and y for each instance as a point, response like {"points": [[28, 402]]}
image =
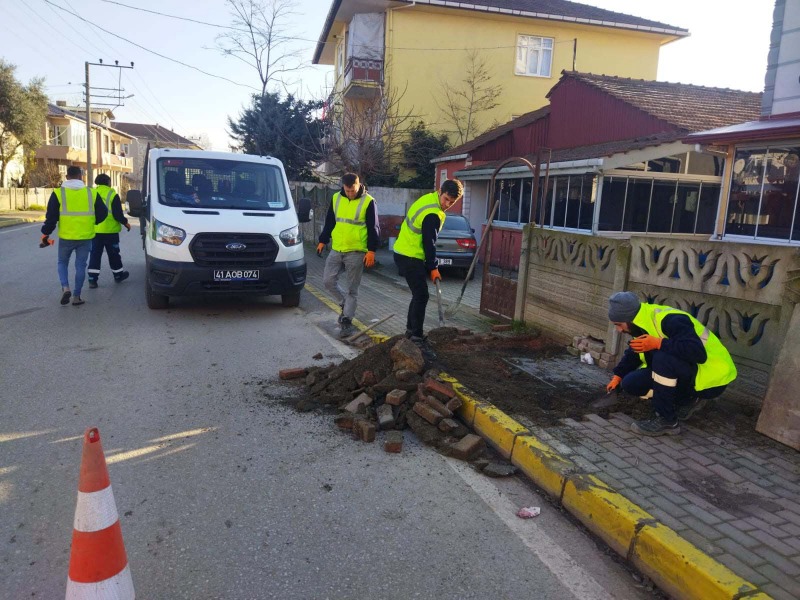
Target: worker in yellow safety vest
{"points": [[415, 254], [107, 233], [673, 360], [352, 228], [75, 208]]}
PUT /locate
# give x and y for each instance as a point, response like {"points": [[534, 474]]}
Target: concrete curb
{"points": [[9, 221], [674, 564], [678, 567]]}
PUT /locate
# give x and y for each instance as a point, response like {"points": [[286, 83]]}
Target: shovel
{"points": [[608, 400], [363, 332], [439, 302]]}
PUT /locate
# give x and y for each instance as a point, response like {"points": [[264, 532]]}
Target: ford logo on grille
{"points": [[235, 246]]}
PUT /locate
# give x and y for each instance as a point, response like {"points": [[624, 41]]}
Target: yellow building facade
{"points": [[414, 52]]}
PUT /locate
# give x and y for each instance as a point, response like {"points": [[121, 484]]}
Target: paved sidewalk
{"points": [[734, 496], [383, 292]]}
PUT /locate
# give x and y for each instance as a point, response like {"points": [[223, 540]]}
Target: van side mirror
{"points": [[304, 212], [134, 200]]}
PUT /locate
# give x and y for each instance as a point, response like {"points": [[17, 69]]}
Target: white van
{"points": [[218, 223]]}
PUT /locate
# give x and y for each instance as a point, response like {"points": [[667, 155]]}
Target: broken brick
{"points": [[292, 373], [454, 404], [448, 425], [467, 446], [501, 327], [438, 406], [345, 421], [427, 413], [393, 442], [367, 379], [364, 430], [396, 397], [363, 400], [385, 416], [406, 356], [443, 391]]}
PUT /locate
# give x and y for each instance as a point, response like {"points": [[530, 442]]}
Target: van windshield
{"points": [[220, 184]]}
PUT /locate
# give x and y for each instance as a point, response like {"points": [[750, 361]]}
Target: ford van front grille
{"points": [[251, 250]]}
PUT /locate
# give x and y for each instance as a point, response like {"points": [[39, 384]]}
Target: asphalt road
{"points": [[222, 490]]}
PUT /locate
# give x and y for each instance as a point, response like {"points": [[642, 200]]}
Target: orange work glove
{"points": [[435, 275], [645, 343], [613, 384], [46, 241], [320, 248], [369, 258], [128, 226]]}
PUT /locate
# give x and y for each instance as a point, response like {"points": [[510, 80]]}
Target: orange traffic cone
{"points": [[98, 565]]}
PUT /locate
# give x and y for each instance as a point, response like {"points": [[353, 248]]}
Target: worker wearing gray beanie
{"points": [[623, 307]]}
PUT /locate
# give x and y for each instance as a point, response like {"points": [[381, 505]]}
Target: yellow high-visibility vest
{"points": [[409, 240], [350, 232], [76, 213]]}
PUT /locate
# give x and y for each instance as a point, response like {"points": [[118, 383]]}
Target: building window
{"points": [[534, 56], [568, 202], [644, 205], [764, 193]]}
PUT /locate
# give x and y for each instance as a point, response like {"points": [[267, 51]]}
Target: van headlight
{"points": [[167, 234], [291, 236]]}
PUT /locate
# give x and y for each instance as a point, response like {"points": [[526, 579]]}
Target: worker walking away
{"points": [[415, 254], [107, 233], [673, 360], [351, 226], [75, 208]]}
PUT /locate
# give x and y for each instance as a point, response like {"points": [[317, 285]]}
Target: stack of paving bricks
{"points": [[581, 344], [376, 397]]}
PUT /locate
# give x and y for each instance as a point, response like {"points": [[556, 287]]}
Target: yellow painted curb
{"points": [[469, 404], [502, 430], [607, 513], [683, 571], [541, 464]]}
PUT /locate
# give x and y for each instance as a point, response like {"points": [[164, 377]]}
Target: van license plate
{"points": [[445, 261], [243, 275]]}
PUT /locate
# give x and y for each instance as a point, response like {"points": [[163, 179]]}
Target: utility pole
{"points": [[116, 65]]}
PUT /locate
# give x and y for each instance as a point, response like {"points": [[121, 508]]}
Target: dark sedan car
{"points": [[456, 245]]}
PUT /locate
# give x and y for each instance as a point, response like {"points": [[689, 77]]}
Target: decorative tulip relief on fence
{"points": [[738, 290], [584, 253]]}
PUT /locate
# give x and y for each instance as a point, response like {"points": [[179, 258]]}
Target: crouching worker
{"points": [[673, 360]]}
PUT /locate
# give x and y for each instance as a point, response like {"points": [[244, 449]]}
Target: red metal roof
{"points": [[769, 129], [689, 107]]}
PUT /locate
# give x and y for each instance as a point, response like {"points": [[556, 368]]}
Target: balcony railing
{"points": [[363, 77]]}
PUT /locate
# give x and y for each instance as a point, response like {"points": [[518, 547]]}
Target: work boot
{"points": [[93, 283], [656, 426], [422, 343], [120, 277], [347, 328], [687, 410], [77, 301], [65, 296]]}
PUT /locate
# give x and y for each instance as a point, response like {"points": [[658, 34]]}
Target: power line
{"points": [[76, 15], [155, 12]]}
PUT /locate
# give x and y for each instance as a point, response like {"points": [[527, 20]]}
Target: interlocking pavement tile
{"points": [[669, 507], [777, 531], [778, 593], [765, 515], [701, 459], [742, 570], [726, 474], [786, 566], [697, 468], [741, 553], [738, 536], [669, 483], [708, 532], [704, 545], [774, 543]]}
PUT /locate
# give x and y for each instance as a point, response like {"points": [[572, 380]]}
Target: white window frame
{"points": [[527, 44]]}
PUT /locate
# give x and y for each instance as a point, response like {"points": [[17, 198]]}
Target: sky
{"points": [[727, 48]]}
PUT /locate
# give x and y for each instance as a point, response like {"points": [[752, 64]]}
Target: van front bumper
{"points": [[171, 278]]}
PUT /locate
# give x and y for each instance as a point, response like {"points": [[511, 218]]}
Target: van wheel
{"points": [[154, 301], [290, 300]]}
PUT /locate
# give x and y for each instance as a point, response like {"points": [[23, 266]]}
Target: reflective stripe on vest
{"points": [[409, 240], [75, 224], [350, 232], [110, 224], [717, 370]]}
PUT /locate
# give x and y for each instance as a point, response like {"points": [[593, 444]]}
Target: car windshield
{"points": [[456, 223], [220, 184]]}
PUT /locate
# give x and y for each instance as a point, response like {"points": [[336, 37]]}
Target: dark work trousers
{"points": [[110, 243], [668, 383], [413, 269]]}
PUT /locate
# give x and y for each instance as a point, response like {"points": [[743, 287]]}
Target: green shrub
{"points": [[36, 207]]}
